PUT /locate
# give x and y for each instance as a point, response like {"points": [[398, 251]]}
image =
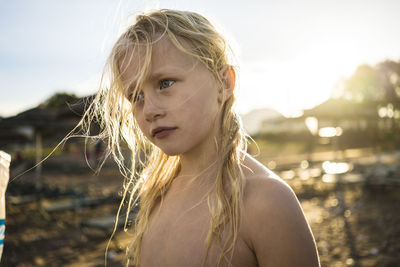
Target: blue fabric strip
{"points": [[2, 221], [1, 242]]}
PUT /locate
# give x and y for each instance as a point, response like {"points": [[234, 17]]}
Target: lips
{"points": [[162, 131]]}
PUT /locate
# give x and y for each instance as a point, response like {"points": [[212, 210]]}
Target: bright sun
{"points": [[296, 84]]}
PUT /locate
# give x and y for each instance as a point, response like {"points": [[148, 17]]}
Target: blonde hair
{"points": [[148, 177]]}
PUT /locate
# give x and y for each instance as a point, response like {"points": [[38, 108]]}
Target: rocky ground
{"points": [[354, 216]]}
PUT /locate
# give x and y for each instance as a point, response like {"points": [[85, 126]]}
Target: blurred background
{"points": [[319, 93]]}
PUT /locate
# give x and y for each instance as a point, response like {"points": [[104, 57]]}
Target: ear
{"points": [[228, 76]]}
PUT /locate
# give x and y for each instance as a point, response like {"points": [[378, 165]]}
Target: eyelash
{"points": [[166, 80], [135, 98]]}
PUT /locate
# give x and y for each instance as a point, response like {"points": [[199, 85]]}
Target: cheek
{"points": [[200, 113], [141, 123], [203, 99]]}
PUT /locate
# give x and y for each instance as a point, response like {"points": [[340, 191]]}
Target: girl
{"points": [[203, 200]]}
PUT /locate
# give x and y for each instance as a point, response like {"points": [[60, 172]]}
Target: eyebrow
{"points": [[164, 71]]}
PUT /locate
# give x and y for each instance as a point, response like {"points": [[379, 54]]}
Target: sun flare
{"points": [[299, 83]]}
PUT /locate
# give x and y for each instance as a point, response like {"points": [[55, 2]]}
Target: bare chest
{"points": [[176, 236]]}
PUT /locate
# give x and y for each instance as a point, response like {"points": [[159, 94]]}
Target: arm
{"points": [[276, 226]]}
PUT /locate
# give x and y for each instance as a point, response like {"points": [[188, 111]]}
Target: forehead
{"points": [[165, 57]]}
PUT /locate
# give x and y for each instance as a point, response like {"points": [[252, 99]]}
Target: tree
{"points": [[59, 100], [390, 77], [363, 85], [376, 89]]}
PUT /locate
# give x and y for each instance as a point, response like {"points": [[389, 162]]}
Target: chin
{"points": [[170, 151]]}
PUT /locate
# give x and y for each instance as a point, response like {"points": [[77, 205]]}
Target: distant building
{"points": [[51, 124], [345, 114], [283, 125], [254, 121]]}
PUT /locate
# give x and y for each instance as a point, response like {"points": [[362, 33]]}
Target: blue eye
{"points": [[135, 98], [166, 83], [138, 97]]}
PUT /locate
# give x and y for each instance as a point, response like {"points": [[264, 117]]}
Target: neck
{"points": [[192, 166], [200, 164]]}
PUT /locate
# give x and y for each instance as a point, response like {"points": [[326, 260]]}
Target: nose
{"points": [[152, 109]]}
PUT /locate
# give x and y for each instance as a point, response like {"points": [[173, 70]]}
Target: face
{"points": [[177, 106]]}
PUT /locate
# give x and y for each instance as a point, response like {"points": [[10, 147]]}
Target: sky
{"points": [[291, 54]]}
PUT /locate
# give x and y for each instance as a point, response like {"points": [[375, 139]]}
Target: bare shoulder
{"points": [[274, 224], [264, 188]]}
